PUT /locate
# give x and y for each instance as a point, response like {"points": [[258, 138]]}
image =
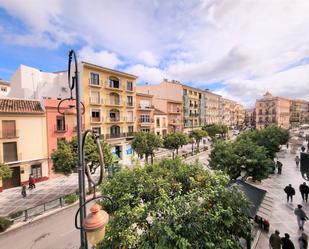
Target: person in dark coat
{"points": [[303, 241], [286, 242], [297, 160], [304, 191], [301, 216], [290, 191], [279, 167], [24, 191], [303, 148], [275, 240]]}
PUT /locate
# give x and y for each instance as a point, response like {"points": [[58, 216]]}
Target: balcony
{"points": [[114, 102], [146, 121], [114, 119], [60, 128], [115, 135], [130, 134], [95, 83], [96, 101], [96, 120], [130, 104], [9, 134], [146, 108], [113, 87], [175, 111]]}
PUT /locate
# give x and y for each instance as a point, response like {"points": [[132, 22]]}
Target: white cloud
{"points": [[150, 75], [102, 58], [195, 41]]}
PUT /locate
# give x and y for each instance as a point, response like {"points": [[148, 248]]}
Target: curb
{"points": [[21, 224]]}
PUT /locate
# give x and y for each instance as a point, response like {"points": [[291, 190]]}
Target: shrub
{"points": [[4, 224], [71, 198]]}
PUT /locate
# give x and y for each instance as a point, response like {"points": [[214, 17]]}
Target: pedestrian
{"points": [[29, 181], [279, 167], [290, 191], [23, 191], [304, 191], [275, 240], [32, 181], [287, 145], [297, 160], [303, 241], [301, 216], [286, 242], [303, 148]]}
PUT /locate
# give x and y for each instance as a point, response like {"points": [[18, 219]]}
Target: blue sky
{"points": [[239, 49]]}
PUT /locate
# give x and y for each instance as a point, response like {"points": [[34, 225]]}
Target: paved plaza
{"points": [[282, 215]]}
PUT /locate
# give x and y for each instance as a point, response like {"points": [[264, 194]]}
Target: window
{"points": [[195, 93], [130, 100], [130, 85], [260, 120], [130, 129], [145, 130], [144, 104], [158, 122], [94, 79], [114, 115], [190, 92], [36, 170], [95, 98], [95, 115], [145, 118], [60, 125], [96, 130], [185, 91], [260, 112], [114, 82], [3, 89], [129, 116], [274, 111], [8, 129], [10, 152]]}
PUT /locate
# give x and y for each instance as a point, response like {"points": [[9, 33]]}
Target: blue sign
{"points": [[129, 151]]}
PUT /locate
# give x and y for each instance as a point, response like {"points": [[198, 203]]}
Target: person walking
{"points": [[279, 167], [290, 191], [29, 181], [24, 191], [297, 160], [275, 240], [304, 191], [32, 181], [303, 241], [286, 242], [301, 216], [303, 148]]}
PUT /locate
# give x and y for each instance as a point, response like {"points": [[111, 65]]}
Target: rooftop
{"points": [[20, 106], [4, 82]]}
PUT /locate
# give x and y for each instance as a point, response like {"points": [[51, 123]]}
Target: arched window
{"points": [[114, 99], [114, 115], [114, 82]]}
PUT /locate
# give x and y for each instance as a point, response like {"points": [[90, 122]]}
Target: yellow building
{"points": [[23, 141], [110, 102], [240, 116], [213, 108], [299, 111]]}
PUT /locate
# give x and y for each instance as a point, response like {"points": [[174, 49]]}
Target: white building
{"points": [[31, 83]]}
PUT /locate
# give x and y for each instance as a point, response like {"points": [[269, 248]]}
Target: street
{"points": [[56, 231]]}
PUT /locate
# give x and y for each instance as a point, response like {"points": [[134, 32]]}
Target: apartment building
{"points": [[213, 108], [299, 112], [240, 116], [249, 118], [21, 121], [160, 122], [229, 115], [271, 110], [110, 102], [4, 88], [193, 108], [60, 126], [145, 112]]}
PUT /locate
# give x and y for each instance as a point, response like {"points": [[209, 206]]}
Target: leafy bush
{"points": [[5, 171], [71, 198], [4, 224]]}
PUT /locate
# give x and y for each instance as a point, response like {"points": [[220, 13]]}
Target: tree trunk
{"points": [[173, 156], [176, 151], [146, 158], [151, 158], [198, 145]]}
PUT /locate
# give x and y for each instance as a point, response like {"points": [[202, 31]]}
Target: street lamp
{"points": [[93, 224]]}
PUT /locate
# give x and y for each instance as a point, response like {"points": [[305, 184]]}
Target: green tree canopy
{"points": [[198, 135], [64, 159], [175, 140], [145, 143], [174, 205], [214, 129], [232, 157], [5, 171]]}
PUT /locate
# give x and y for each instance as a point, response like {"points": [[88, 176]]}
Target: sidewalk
{"points": [[282, 216], [11, 200]]}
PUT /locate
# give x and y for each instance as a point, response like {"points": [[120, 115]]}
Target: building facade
{"points": [[249, 118], [240, 116], [110, 103], [229, 113], [4, 88], [160, 123], [213, 108], [20, 122], [145, 112], [271, 110], [60, 126], [299, 112]]}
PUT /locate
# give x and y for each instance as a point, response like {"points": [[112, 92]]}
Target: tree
{"points": [[145, 143], [5, 171], [174, 205], [65, 157], [198, 135], [175, 140], [214, 129], [232, 157]]}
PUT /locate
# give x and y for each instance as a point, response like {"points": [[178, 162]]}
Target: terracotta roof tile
{"points": [[21, 106]]}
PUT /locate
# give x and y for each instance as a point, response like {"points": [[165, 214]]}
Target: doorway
{"points": [[14, 181]]}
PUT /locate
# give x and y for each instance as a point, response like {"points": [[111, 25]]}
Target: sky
{"points": [[239, 49]]}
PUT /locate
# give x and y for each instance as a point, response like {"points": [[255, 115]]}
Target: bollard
{"points": [[26, 215]]}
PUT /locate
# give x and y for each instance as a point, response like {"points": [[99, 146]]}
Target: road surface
{"points": [[56, 231]]}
